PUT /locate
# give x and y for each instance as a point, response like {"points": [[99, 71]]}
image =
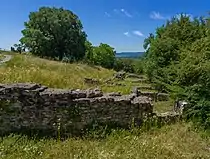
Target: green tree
{"points": [[194, 74], [89, 52], [12, 49], [178, 60], [103, 55], [54, 32], [165, 47], [125, 64], [19, 48]]}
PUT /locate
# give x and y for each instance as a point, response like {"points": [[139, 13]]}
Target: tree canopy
{"points": [[54, 32], [103, 55], [178, 59]]}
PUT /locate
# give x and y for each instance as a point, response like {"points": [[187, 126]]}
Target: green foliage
{"points": [[194, 73], [18, 48], [54, 32], [124, 64], [138, 66], [178, 60], [89, 52], [12, 49], [102, 55], [129, 65], [166, 46]]}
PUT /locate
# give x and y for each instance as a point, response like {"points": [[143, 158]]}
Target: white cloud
{"points": [[126, 13], [127, 34], [107, 14], [138, 33], [157, 16]]}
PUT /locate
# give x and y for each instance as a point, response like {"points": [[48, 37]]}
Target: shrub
{"points": [[126, 65]]}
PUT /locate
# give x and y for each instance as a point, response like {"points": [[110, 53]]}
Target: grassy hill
{"points": [[174, 141], [26, 68]]}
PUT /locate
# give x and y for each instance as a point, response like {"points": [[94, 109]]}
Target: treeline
{"points": [[178, 60], [58, 34]]}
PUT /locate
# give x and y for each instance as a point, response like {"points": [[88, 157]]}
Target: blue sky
{"points": [[123, 24]]}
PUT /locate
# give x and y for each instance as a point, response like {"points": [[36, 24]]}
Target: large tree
{"points": [[54, 32], [165, 47]]}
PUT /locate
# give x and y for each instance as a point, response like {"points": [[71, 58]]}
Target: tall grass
{"points": [[174, 142], [25, 68]]}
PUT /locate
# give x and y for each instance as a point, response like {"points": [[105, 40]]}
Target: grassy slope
{"points": [[174, 142], [50, 73], [54, 74]]}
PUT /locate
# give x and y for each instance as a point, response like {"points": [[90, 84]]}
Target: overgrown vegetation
{"points": [[129, 65], [29, 68], [175, 141], [177, 59]]}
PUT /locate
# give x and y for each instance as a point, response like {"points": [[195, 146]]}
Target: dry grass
{"points": [[25, 68], [163, 106], [174, 142]]}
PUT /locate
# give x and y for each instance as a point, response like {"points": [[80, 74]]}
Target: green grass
{"points": [[163, 106], [174, 142], [26, 68]]}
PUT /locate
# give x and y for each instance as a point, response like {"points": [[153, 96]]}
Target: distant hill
{"points": [[129, 54]]}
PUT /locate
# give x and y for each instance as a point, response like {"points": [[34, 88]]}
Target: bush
{"points": [[139, 66], [178, 60], [102, 55], [126, 65]]}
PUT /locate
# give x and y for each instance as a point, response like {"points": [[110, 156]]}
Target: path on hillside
{"points": [[5, 59]]}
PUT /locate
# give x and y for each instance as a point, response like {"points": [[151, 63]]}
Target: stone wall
{"points": [[32, 107]]}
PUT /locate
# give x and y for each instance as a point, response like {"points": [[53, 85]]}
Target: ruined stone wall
{"points": [[26, 107]]}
